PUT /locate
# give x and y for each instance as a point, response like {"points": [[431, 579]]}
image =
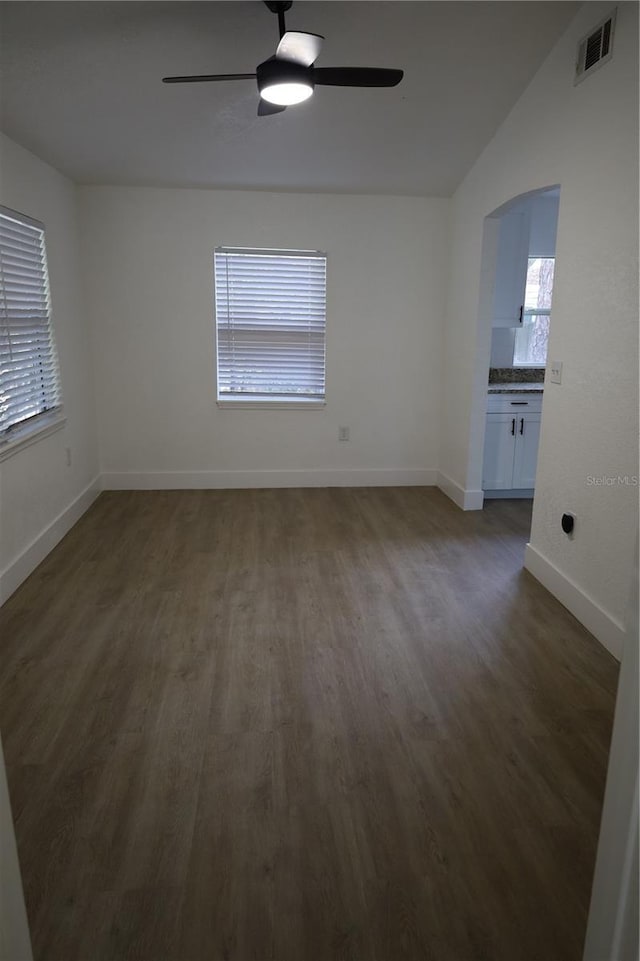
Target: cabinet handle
{"points": [[522, 425], [521, 313], [513, 426], [519, 403]]}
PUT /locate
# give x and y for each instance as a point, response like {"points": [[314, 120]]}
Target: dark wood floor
{"points": [[302, 726]]}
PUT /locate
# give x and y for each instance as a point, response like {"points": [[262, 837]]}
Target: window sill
{"points": [[266, 404], [25, 436]]}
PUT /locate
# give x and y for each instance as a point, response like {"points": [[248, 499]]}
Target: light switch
{"points": [[555, 372]]}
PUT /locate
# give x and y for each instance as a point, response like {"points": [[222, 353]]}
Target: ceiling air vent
{"points": [[596, 48]]}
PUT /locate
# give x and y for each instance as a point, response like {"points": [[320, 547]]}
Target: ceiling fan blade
{"points": [[265, 109], [357, 76], [200, 78], [303, 48]]}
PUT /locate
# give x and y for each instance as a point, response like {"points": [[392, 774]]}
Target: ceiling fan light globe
{"points": [[286, 94]]}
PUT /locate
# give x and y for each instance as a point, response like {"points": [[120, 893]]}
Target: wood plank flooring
{"points": [[301, 725]]}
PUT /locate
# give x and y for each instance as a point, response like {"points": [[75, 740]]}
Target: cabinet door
{"points": [[499, 446], [526, 452], [511, 270]]}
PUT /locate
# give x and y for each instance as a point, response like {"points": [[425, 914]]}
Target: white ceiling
{"points": [[80, 87]]}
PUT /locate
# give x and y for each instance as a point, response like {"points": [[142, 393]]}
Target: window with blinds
{"points": [[29, 378], [270, 324]]}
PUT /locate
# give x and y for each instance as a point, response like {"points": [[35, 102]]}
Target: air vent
{"points": [[596, 48]]}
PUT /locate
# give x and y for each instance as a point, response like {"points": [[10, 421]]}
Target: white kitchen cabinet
{"points": [[511, 269], [499, 446], [511, 443], [525, 457]]}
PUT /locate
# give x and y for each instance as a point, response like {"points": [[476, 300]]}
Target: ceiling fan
{"points": [[289, 77]]}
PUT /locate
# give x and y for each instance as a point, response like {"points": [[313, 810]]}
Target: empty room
{"points": [[318, 480]]}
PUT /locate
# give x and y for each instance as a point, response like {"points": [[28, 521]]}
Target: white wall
{"points": [[502, 346], [15, 943], [612, 930], [37, 488], [147, 257], [543, 224], [584, 138]]}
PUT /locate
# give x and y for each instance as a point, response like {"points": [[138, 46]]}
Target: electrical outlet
{"points": [[555, 372], [343, 433]]}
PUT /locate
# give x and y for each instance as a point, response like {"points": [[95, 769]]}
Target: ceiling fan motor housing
{"points": [[274, 72]]}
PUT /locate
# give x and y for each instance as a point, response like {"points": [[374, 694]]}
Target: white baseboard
{"points": [[603, 626], [236, 479], [15, 573], [468, 500]]}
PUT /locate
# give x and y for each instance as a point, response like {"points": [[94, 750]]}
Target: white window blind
{"points": [[271, 324], [29, 379]]}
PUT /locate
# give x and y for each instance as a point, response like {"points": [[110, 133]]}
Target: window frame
{"points": [[255, 400], [25, 432], [533, 312]]}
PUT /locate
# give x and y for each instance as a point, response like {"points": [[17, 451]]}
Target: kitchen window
{"points": [[30, 397], [532, 338], [270, 326]]}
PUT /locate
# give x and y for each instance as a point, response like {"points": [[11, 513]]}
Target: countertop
{"points": [[516, 388]]}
